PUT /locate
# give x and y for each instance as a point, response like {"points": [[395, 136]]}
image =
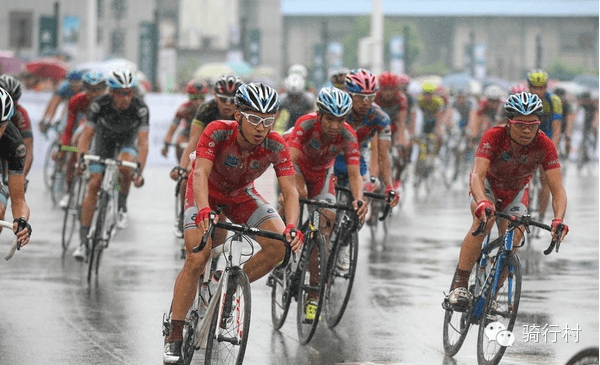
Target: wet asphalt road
{"points": [[49, 314]]}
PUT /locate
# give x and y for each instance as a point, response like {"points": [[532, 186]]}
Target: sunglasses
{"points": [[365, 97], [256, 120], [226, 99], [520, 124], [123, 92]]}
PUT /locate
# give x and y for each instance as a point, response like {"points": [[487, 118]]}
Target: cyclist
{"points": [[505, 161], [20, 118], [222, 107], [411, 110], [13, 150], [487, 114], [566, 128], [590, 122], [294, 103], [432, 107], [551, 119], [118, 124], [184, 116], [94, 85], [314, 143], [394, 103], [338, 78], [71, 86], [229, 157]]}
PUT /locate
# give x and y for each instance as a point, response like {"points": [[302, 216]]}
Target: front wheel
{"points": [[311, 287], [229, 334], [97, 244], [281, 295], [72, 214], [500, 313]]}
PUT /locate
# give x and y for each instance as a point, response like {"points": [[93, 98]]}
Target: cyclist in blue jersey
{"points": [[71, 86]]}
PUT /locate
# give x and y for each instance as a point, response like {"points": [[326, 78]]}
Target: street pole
{"points": [[377, 36], [92, 26]]}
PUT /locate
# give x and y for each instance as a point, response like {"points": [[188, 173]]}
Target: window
{"points": [[21, 28], [119, 8], [117, 44]]}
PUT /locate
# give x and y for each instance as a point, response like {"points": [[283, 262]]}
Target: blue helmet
{"points": [[93, 78], [7, 107], [334, 101], [257, 97], [523, 103], [121, 79], [74, 75]]}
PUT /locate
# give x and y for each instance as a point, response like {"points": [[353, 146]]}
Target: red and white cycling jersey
{"points": [[230, 172], [511, 168], [21, 120], [77, 108]]}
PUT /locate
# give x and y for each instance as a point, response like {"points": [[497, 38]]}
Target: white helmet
{"points": [[294, 84], [494, 92], [298, 69], [7, 107], [121, 79]]}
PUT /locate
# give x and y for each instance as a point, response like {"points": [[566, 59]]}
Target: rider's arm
{"points": [[401, 123], [195, 133], [291, 206], [84, 141], [439, 121], [202, 170], [413, 122], [385, 164], [374, 163], [51, 108], [29, 156], [480, 168], [559, 196], [295, 154], [16, 188], [71, 120], [556, 126], [143, 149]]}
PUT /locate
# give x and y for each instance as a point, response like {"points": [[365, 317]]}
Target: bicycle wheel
{"points": [[97, 244], [49, 163], [457, 324], [499, 314], [71, 214], [229, 335], [281, 295], [339, 280], [588, 356], [311, 286], [449, 167]]}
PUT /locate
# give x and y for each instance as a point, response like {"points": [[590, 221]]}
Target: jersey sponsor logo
{"points": [[95, 107], [220, 135], [314, 144], [231, 161], [506, 156], [332, 149], [21, 151], [515, 209], [270, 211], [273, 145], [254, 165], [211, 144], [142, 112]]}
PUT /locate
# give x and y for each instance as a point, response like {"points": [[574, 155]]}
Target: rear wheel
{"points": [[311, 287], [229, 335], [50, 164], [340, 278], [499, 314]]}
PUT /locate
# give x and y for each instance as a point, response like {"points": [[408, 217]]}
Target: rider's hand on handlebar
{"points": [[298, 240], [481, 208], [396, 199], [22, 229], [361, 211], [138, 181], [165, 149], [202, 219], [556, 223]]}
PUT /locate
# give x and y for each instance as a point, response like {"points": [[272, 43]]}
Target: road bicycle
{"points": [[380, 209], [15, 245], [219, 318], [73, 209], [54, 170], [179, 208], [299, 279], [454, 159], [425, 164], [104, 223], [495, 289]]}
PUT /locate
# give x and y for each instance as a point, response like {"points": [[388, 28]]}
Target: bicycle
{"points": [[15, 245], [103, 225], [179, 209], [54, 174], [495, 300], [587, 356], [219, 318], [425, 165], [380, 209], [73, 208], [294, 280], [454, 161]]}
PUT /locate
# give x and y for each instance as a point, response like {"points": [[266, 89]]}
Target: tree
{"points": [[362, 28]]}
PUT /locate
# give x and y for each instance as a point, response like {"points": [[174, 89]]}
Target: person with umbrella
{"points": [[71, 86]]}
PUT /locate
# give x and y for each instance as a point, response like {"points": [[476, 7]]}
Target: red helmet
{"points": [[196, 88], [388, 80], [403, 79]]}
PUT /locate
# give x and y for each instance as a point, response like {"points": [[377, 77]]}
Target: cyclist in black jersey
{"points": [[566, 128], [295, 102], [13, 150], [119, 124]]}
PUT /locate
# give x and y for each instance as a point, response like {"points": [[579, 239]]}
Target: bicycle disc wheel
{"points": [[457, 324], [311, 290], [281, 295], [71, 215], [229, 335], [339, 281], [498, 318]]}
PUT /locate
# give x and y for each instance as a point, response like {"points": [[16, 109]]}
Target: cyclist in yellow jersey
{"points": [[432, 107], [551, 122]]}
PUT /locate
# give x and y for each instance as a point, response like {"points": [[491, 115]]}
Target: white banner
{"points": [[162, 110]]}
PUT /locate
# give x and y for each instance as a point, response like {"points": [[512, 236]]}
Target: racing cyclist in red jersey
{"points": [[184, 116], [487, 115], [94, 85], [317, 138], [229, 157], [506, 159], [394, 103]]}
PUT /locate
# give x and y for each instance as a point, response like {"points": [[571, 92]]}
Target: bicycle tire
{"points": [[49, 164], [588, 356], [281, 295], [315, 246], [490, 351], [97, 246], [72, 213], [229, 345], [339, 284], [449, 166], [457, 324]]}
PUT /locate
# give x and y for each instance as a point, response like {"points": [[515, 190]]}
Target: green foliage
{"points": [[436, 68], [560, 70], [362, 28]]}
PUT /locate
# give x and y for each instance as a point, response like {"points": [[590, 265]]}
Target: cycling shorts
{"points": [[319, 184], [519, 205], [340, 166]]}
